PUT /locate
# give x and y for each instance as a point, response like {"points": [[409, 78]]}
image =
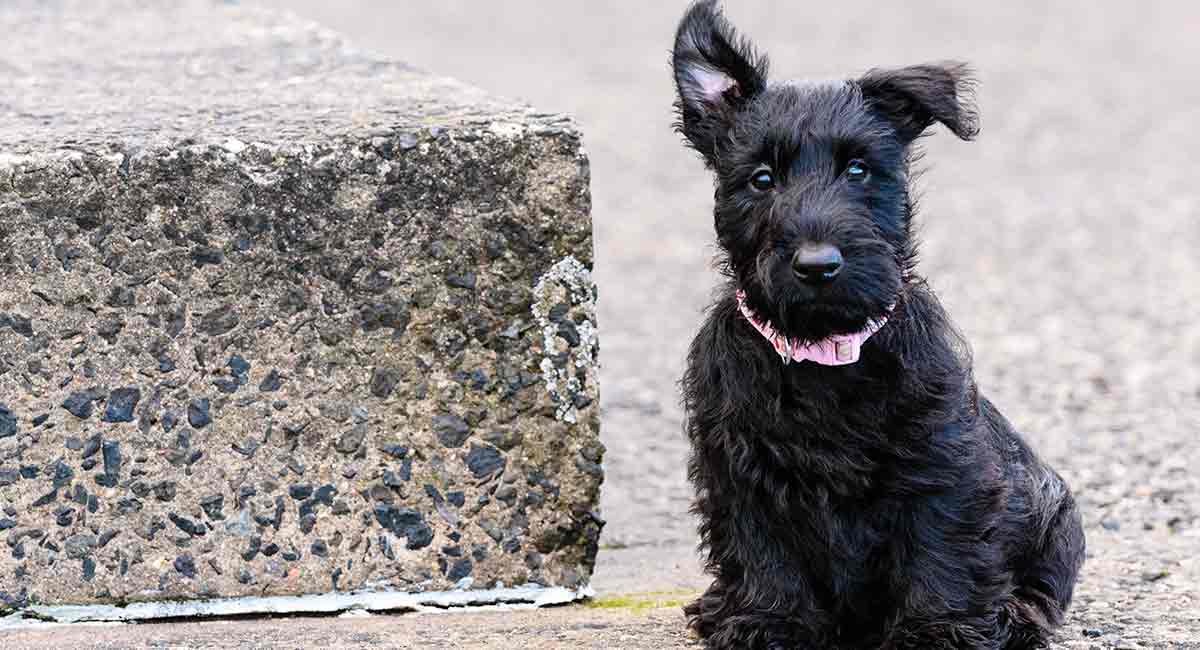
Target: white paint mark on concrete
{"points": [[526, 596]]}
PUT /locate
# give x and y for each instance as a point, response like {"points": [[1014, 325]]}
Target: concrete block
{"points": [[278, 317]]}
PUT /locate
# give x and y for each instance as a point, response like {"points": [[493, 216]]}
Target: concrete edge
{"points": [[525, 597], [519, 123]]}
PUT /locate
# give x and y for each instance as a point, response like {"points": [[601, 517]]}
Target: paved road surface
{"points": [[1064, 242]]}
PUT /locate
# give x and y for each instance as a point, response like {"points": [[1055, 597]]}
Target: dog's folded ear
{"points": [[716, 72], [913, 98]]}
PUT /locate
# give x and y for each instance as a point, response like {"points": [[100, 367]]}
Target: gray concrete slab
{"points": [[133, 72], [281, 318]]}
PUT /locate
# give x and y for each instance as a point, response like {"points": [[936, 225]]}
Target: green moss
{"points": [[643, 602]]}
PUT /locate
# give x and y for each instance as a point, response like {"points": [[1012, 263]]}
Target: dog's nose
{"points": [[817, 263]]}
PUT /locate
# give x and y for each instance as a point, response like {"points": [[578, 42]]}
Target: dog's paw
{"points": [[785, 644]]}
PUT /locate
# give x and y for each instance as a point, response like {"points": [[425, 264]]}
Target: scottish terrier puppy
{"points": [[854, 489]]}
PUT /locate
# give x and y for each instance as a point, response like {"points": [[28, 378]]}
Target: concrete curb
{"points": [[279, 318]]}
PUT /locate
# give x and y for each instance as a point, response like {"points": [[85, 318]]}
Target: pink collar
{"points": [[837, 350]]}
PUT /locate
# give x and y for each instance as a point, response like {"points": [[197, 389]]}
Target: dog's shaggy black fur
{"points": [[883, 504]]}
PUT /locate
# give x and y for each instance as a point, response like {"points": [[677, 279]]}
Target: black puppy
{"points": [[854, 488]]}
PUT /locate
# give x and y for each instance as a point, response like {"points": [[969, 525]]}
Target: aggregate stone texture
{"points": [[278, 317]]}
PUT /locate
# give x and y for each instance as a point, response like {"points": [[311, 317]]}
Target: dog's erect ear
{"points": [[716, 72], [913, 98]]}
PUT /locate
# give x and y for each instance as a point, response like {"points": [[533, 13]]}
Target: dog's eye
{"points": [[762, 180], [856, 170]]}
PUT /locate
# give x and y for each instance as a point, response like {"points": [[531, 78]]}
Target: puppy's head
{"points": [[812, 203]]}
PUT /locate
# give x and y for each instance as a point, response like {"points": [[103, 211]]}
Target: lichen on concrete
{"points": [[274, 352], [564, 308]]}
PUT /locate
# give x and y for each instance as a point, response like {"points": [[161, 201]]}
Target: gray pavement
{"points": [[1063, 243]]}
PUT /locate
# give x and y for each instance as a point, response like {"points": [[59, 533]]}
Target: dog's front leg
{"points": [[760, 598], [733, 623], [945, 632]]}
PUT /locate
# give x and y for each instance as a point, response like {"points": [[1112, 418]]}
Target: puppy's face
{"points": [[812, 208]]}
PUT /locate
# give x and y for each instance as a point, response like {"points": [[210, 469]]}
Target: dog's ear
{"points": [[913, 98], [716, 73]]}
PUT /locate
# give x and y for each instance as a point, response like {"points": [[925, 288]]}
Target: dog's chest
{"points": [[851, 555], [845, 508]]}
